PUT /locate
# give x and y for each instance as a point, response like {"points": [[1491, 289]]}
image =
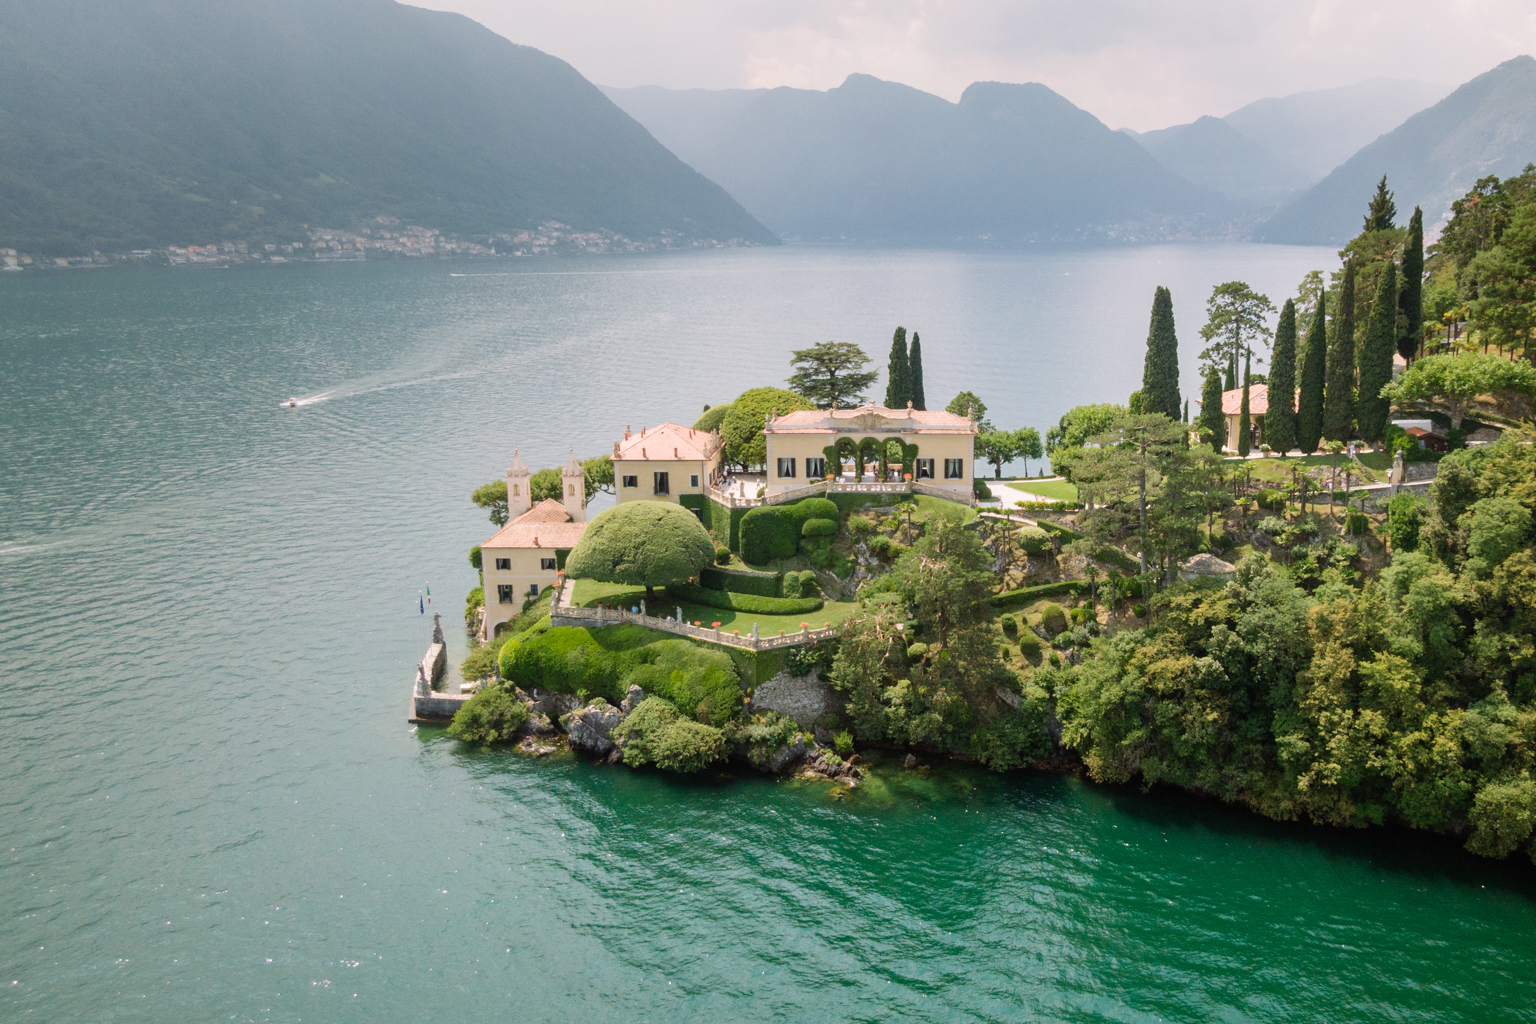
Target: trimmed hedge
{"points": [[735, 581], [818, 528], [1024, 595], [750, 603], [773, 531]]}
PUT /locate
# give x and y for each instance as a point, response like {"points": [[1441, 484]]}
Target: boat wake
{"points": [[294, 403]]}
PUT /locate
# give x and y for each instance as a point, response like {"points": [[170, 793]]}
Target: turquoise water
{"points": [[213, 808]]}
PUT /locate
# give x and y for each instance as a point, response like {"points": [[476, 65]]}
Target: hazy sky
{"points": [[1136, 63]]}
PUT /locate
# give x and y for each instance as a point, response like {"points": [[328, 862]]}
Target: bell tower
{"points": [[519, 498], [573, 489]]}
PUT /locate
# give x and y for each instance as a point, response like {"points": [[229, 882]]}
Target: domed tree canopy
{"points": [[743, 426], [642, 543]]}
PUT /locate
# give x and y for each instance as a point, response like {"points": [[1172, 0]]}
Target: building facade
{"points": [[807, 446], [528, 555], [664, 462]]}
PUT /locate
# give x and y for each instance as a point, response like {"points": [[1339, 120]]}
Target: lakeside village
{"points": [[1319, 607], [382, 238]]}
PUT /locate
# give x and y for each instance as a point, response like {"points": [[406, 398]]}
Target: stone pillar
{"points": [[437, 628]]}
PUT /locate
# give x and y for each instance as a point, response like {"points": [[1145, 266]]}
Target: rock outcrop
{"points": [[588, 729]]}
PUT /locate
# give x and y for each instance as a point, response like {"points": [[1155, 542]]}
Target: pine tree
{"points": [[915, 373], [1280, 419], [1383, 211], [1411, 299], [1376, 358], [898, 377], [1309, 404], [1212, 421], [1160, 372], [1339, 400], [1244, 418]]}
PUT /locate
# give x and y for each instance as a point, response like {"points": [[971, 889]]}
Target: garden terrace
{"points": [[581, 603]]}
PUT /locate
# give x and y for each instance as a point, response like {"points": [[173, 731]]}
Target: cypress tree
{"points": [[1382, 211], [1339, 399], [1376, 357], [1411, 299], [1280, 420], [1211, 419], [1309, 405], [1160, 372], [915, 373], [898, 378], [1186, 412], [1231, 383], [1244, 419]]}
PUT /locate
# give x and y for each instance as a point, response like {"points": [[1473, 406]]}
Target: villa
{"points": [[528, 554], [1232, 412], [939, 446], [663, 463]]}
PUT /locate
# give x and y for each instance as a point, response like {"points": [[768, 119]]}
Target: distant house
{"points": [[1232, 410], [664, 462], [528, 555], [1427, 438]]}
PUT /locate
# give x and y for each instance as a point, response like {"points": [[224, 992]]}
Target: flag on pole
{"points": [[422, 603], [429, 593]]}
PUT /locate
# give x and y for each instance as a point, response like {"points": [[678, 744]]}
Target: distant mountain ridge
{"points": [[877, 161], [1487, 126], [129, 125], [1211, 152]]}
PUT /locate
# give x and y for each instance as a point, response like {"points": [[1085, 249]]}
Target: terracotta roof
{"points": [[666, 442], [546, 525], [1421, 432], [871, 417], [1258, 400]]}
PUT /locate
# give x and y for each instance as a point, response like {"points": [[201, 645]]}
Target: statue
{"points": [[437, 629]]}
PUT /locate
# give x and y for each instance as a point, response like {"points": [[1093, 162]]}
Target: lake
{"points": [[213, 807]]}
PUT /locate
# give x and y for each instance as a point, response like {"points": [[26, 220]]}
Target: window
{"points": [[504, 564], [815, 469], [662, 484], [533, 590], [504, 593], [925, 469], [954, 469], [693, 480], [631, 481], [787, 467], [547, 563]]}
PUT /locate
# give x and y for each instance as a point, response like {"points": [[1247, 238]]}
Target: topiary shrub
{"points": [[768, 533], [801, 583], [722, 555], [1010, 626], [763, 584], [642, 543], [1034, 540], [491, 716], [1139, 610], [654, 733], [573, 659], [819, 528], [1054, 618], [981, 490], [813, 508], [1030, 648]]}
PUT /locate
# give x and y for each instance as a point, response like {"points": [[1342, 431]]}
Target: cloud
{"points": [[1140, 63]]}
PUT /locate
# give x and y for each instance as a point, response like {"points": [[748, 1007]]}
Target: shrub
{"points": [[713, 417], [1010, 626], [491, 716], [1053, 618], [1029, 647], [654, 733], [801, 583], [1034, 540], [815, 656], [474, 556], [692, 593], [821, 527], [843, 743], [573, 659], [689, 676], [860, 526], [982, 491], [1220, 539], [1270, 499], [1139, 610], [814, 508], [1273, 525], [722, 555], [1024, 595], [763, 584], [479, 662], [1355, 522], [472, 604], [916, 651]]}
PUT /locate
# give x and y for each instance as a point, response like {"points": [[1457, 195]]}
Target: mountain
{"points": [[1211, 152], [1316, 131], [134, 125], [1487, 126], [876, 161]]}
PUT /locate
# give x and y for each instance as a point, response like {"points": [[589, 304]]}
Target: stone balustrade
{"points": [[564, 612], [825, 487]]}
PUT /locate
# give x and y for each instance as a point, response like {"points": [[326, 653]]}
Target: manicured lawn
{"points": [[589, 592], [1060, 490], [1279, 470]]}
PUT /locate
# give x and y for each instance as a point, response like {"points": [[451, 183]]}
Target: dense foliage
{"points": [[773, 531], [1160, 371], [654, 733], [831, 374], [898, 372], [1410, 698], [1455, 380], [491, 716], [692, 593], [742, 429]]}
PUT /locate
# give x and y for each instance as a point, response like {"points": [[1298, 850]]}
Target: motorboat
{"points": [[292, 403]]}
